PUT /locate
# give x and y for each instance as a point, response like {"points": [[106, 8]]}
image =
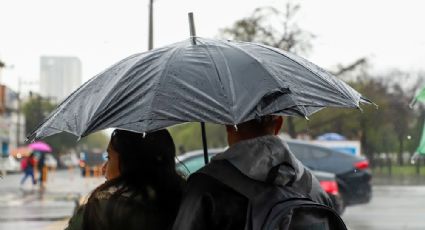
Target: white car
{"points": [[10, 164], [69, 160], [50, 161]]}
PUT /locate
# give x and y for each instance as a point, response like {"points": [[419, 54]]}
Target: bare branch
{"points": [[343, 69]]}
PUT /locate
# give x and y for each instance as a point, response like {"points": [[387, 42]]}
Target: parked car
{"points": [[329, 184], [50, 161], [190, 162], [352, 172], [69, 160], [9, 164]]}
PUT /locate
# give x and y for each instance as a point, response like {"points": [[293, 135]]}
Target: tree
{"points": [[383, 130], [36, 109], [272, 27]]}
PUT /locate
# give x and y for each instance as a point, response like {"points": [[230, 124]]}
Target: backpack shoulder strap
{"points": [[229, 175]]}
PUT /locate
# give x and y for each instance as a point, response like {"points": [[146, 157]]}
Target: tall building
{"points": [[12, 122], [59, 76]]}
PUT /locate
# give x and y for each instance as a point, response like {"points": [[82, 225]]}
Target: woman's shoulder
{"points": [[76, 221], [105, 194]]}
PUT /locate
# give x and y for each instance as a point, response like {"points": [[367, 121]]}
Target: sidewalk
{"points": [[58, 225], [28, 207]]}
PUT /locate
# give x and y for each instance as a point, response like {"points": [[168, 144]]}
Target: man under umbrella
{"points": [[255, 150]]}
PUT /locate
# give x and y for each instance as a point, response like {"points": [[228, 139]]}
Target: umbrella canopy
{"points": [[40, 146], [331, 137], [215, 81]]}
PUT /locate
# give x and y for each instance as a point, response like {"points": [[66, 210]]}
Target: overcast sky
{"points": [[101, 32]]}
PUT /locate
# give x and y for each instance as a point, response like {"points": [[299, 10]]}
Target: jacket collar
{"points": [[256, 157]]}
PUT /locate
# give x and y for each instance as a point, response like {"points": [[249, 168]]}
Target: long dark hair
{"points": [[148, 184]]}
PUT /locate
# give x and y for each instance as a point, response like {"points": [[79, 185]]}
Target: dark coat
{"points": [[209, 204], [127, 211]]}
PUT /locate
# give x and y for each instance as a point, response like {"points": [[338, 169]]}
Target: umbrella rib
{"points": [[259, 62], [306, 67], [233, 95], [100, 113], [256, 60], [163, 73], [92, 127]]}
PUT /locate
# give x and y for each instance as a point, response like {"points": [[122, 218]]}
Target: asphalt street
{"points": [[391, 208]]}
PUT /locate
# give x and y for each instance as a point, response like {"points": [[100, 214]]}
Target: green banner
{"points": [[421, 95], [421, 148]]}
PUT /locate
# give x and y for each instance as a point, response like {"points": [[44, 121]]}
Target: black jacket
{"points": [[209, 204]]}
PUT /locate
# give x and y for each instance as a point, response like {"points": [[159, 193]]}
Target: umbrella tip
{"points": [[306, 118], [236, 127]]}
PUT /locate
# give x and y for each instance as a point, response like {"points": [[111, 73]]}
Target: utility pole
{"points": [[150, 39]]}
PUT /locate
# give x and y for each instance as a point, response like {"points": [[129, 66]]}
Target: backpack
{"points": [[24, 163], [273, 207]]}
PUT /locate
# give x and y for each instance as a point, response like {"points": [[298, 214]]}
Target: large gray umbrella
{"points": [[215, 81]]}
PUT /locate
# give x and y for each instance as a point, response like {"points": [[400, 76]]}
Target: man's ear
{"points": [[278, 124]]}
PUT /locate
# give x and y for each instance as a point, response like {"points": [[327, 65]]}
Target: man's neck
{"points": [[243, 137]]}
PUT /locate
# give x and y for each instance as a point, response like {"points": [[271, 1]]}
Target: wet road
{"points": [[391, 208], [25, 207]]}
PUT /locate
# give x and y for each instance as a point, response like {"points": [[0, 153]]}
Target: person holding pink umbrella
{"points": [[42, 148]]}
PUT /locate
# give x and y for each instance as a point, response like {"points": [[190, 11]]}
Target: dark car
{"points": [[352, 172], [190, 162]]}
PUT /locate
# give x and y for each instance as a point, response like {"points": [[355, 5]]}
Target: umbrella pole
{"points": [[192, 28], [193, 40], [204, 142]]}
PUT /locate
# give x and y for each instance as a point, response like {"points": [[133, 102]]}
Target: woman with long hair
{"points": [[142, 188]]}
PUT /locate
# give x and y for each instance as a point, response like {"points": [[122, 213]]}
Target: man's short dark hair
{"points": [[261, 124]]}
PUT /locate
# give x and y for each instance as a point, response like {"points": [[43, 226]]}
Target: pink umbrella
{"points": [[40, 146]]}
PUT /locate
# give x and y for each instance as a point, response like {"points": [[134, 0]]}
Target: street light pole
{"points": [[150, 39]]}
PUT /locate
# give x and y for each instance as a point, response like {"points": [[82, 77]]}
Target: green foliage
{"points": [[36, 109], [188, 136], [382, 129], [61, 142], [98, 140]]}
